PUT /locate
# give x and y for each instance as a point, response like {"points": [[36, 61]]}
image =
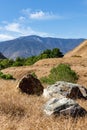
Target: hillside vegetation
{"points": [[62, 72], [55, 53]]}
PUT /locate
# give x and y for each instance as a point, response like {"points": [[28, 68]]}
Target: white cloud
{"points": [[21, 18], [40, 15], [37, 15], [4, 37], [20, 26], [14, 27], [13, 30]]}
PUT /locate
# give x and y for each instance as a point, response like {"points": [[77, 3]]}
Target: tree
{"points": [[56, 53], [47, 52], [53, 53]]}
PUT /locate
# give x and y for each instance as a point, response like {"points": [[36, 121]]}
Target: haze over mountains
{"points": [[33, 45], [2, 56]]}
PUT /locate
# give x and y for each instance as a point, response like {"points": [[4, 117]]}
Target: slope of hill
{"points": [[79, 51], [34, 45], [19, 111], [2, 56]]}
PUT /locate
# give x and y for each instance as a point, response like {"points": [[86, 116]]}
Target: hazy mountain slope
{"points": [[2, 56], [34, 45], [80, 50]]}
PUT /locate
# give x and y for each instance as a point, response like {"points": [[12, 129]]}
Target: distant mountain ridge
{"points": [[33, 45]]}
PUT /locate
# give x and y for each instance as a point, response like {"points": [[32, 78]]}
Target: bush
{"points": [[55, 53], [62, 72], [9, 76], [6, 76]]}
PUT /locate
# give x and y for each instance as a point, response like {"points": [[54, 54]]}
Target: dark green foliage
{"points": [[62, 72], [6, 63], [19, 62], [30, 60], [6, 76], [55, 53]]}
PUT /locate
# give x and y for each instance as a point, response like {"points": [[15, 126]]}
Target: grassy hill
{"points": [[19, 111]]}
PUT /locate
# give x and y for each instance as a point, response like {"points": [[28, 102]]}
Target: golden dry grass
{"points": [[19, 111], [22, 112], [79, 51]]}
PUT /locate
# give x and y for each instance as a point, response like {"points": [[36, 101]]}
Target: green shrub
{"points": [[9, 76], [1, 73], [6, 76], [62, 72], [3, 76]]}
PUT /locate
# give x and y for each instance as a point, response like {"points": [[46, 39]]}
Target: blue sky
{"points": [[56, 18]]}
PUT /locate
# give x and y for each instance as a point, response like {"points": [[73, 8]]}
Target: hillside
{"points": [[19, 111], [2, 56], [43, 67], [79, 51], [34, 45]]}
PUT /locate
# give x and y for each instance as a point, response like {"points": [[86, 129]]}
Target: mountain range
{"points": [[33, 45]]}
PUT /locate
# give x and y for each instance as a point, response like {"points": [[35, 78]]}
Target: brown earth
{"points": [[19, 111]]}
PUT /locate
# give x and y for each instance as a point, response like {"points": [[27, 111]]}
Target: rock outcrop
{"points": [[64, 106], [65, 89], [30, 85]]}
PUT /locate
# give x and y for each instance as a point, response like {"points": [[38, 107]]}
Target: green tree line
{"points": [[55, 53]]}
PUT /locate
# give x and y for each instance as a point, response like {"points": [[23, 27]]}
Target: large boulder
{"points": [[63, 106], [65, 89], [30, 85]]}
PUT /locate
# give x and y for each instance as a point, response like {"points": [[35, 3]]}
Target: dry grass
{"points": [[19, 111], [79, 51], [22, 112]]}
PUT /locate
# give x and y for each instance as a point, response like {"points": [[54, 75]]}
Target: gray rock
{"points": [[63, 106], [65, 89], [30, 85]]}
